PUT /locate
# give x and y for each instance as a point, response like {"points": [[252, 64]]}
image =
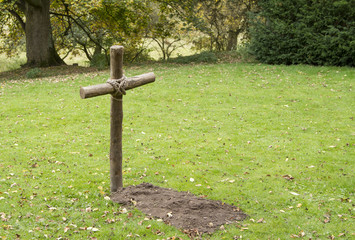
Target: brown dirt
{"points": [[192, 214], [57, 71]]}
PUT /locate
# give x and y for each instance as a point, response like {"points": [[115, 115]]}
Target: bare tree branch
{"points": [[19, 19], [87, 32]]}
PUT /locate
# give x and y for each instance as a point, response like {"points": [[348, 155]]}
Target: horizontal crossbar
{"points": [[106, 88]]}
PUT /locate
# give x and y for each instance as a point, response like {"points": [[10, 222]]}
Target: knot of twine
{"points": [[118, 85]]}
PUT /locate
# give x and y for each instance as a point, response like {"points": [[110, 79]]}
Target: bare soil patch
{"points": [[20, 74], [193, 215]]}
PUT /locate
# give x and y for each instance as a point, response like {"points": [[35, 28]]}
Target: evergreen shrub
{"points": [[203, 57], [316, 32]]}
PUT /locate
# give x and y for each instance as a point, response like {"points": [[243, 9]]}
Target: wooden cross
{"points": [[116, 86]]}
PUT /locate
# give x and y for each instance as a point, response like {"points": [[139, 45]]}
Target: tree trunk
{"points": [[232, 40], [98, 50], [40, 49]]}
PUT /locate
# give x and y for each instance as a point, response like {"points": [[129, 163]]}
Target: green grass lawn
{"points": [[277, 141]]}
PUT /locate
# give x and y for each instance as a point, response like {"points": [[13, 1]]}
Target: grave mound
{"points": [[193, 215]]}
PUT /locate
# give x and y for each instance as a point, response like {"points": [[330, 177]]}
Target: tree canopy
{"points": [[281, 32], [93, 26]]}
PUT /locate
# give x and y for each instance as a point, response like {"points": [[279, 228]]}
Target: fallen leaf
{"points": [[288, 177], [345, 199], [133, 202], [92, 229]]}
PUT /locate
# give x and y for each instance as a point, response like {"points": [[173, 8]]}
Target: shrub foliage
{"points": [[317, 32], [203, 57], [34, 73]]}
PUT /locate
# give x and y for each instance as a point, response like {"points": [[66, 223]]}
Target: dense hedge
{"points": [[317, 32]]}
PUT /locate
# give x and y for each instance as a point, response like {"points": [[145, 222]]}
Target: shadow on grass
{"points": [[22, 73]]}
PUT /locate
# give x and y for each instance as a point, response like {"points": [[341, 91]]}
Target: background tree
{"points": [[34, 19], [88, 26], [166, 29], [318, 32], [220, 22], [93, 26], [224, 22]]}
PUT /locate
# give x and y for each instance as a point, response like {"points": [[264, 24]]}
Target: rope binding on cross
{"points": [[118, 85]]}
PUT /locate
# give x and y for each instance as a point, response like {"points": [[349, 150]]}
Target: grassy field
{"points": [[277, 141]]}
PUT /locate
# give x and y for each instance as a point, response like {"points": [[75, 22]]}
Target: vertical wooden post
{"points": [[116, 66], [116, 86]]}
